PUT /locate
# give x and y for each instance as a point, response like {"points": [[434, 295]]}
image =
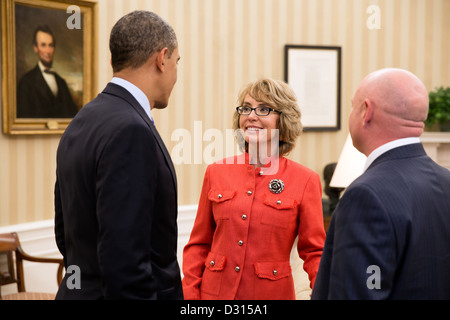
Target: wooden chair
{"points": [[10, 247]]}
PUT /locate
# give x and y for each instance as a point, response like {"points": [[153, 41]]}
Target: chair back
{"points": [[11, 266], [10, 253]]}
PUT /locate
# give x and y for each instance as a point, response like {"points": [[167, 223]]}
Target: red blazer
{"points": [[243, 234]]}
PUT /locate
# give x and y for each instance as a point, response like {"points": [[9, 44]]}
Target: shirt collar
{"points": [[43, 68], [389, 146], [136, 93], [270, 167]]}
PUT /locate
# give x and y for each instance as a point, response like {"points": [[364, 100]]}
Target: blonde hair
{"points": [[279, 96]]}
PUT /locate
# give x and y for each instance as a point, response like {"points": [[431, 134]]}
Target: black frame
{"points": [[336, 126]]}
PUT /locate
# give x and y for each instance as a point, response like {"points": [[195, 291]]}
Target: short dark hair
{"points": [[137, 36], [43, 28]]}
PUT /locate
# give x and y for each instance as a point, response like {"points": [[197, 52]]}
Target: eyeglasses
{"points": [[259, 111]]}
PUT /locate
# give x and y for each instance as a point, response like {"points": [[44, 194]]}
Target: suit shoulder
{"points": [[109, 113], [30, 75]]}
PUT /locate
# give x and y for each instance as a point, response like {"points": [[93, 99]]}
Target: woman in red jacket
{"points": [[253, 206]]}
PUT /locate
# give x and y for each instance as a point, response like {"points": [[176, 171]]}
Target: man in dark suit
{"points": [[116, 188], [41, 92], [389, 237]]}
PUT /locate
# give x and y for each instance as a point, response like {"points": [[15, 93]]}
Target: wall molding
{"points": [[437, 146], [38, 238]]}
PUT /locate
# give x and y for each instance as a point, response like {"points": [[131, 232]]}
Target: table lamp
{"points": [[349, 167]]}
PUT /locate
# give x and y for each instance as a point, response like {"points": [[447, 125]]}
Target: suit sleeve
{"points": [[126, 175], [311, 233], [363, 260], [59, 223], [199, 245]]}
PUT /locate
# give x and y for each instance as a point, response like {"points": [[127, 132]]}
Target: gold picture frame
{"points": [[42, 90]]}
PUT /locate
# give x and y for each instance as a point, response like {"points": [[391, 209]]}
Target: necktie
{"points": [[49, 71]]}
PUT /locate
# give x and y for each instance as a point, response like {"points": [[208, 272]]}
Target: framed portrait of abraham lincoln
{"points": [[48, 63]]}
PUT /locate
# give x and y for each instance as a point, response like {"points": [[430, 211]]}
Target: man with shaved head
{"points": [[389, 237]]}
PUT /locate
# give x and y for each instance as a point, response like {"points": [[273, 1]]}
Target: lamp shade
{"points": [[349, 167]]}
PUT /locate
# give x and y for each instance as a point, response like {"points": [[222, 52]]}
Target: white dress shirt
{"points": [[49, 78], [388, 146], [136, 93]]}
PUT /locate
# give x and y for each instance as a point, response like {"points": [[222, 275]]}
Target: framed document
{"points": [[314, 73]]}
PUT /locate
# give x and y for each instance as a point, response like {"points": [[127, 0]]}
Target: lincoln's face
{"points": [[45, 48]]}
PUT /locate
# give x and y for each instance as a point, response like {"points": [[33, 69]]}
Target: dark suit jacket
{"points": [[116, 203], [396, 216], [36, 100]]}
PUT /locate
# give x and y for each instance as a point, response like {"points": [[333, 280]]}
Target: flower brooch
{"points": [[276, 185]]}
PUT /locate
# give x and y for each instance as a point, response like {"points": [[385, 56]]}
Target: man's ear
{"points": [[367, 112], [161, 59]]}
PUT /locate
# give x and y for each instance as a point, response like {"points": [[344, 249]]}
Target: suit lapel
{"points": [[42, 84], [122, 93], [164, 150]]}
